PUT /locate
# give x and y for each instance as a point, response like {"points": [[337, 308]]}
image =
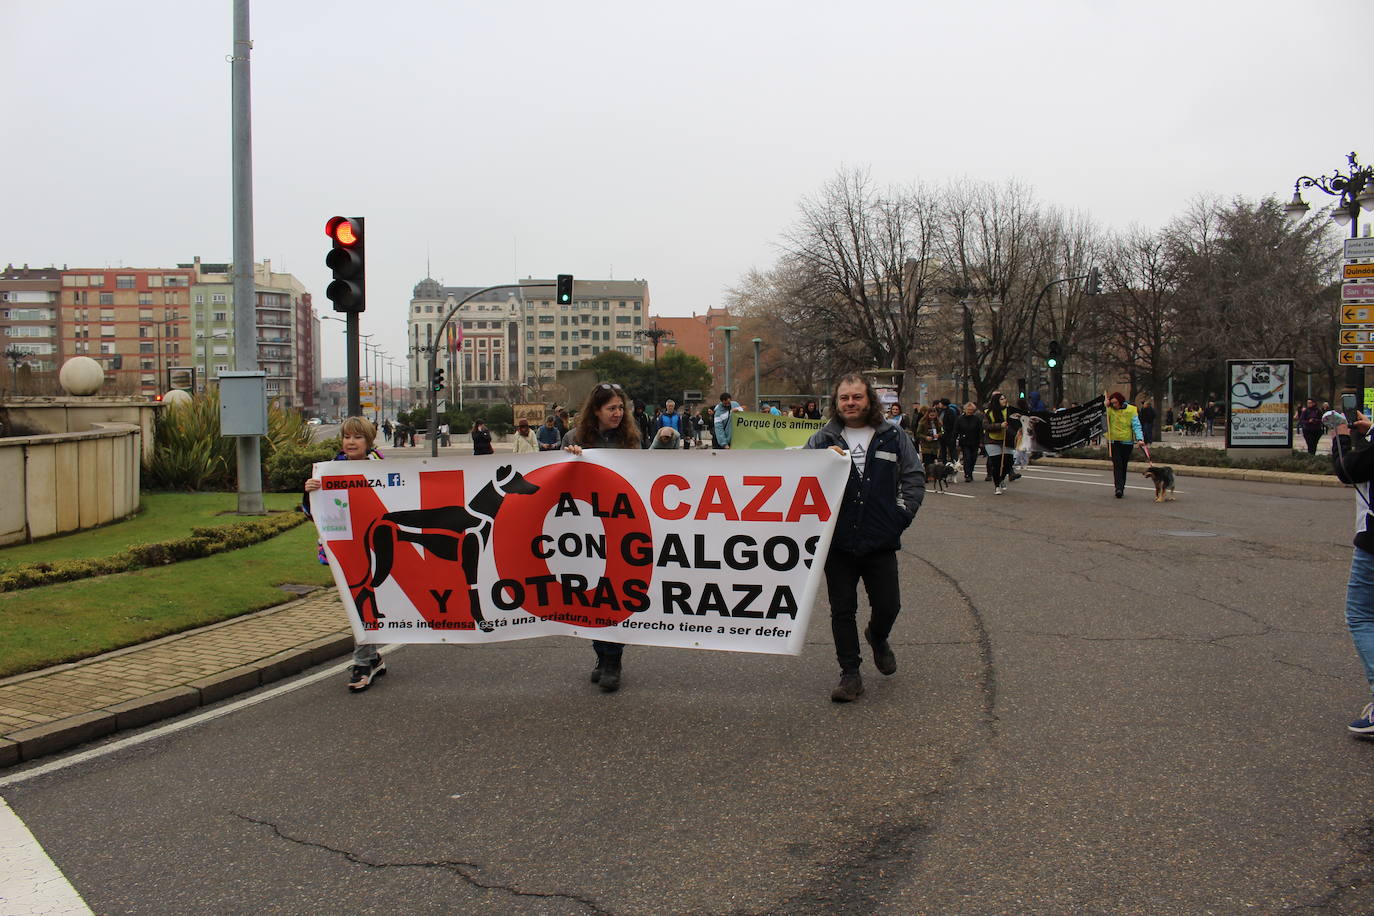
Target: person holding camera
{"points": [[1356, 467]]}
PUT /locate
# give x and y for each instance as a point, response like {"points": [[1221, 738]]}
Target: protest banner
{"points": [[1059, 430], [765, 431], [709, 550]]}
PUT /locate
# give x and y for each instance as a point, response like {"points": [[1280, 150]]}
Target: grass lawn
{"points": [[166, 516], [72, 620]]}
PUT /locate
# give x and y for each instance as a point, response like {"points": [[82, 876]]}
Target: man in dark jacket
{"points": [[886, 486]]}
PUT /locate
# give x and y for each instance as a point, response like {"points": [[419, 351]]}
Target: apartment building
{"points": [[285, 323], [520, 339], [134, 321], [29, 325]]}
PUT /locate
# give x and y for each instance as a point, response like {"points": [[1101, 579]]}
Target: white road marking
{"points": [[31, 884], [952, 493], [232, 707]]}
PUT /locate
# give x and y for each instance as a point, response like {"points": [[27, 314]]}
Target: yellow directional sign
{"points": [[1363, 334], [1357, 357], [1356, 271], [1357, 314]]}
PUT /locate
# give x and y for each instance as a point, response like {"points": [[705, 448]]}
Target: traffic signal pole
{"points": [[355, 401], [1055, 390]]}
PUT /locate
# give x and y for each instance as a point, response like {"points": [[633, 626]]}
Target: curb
{"points": [[51, 737], [1254, 476]]}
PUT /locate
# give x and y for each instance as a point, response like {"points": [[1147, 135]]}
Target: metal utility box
{"points": [[243, 403]]}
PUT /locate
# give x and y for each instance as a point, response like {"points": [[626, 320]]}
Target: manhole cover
{"points": [[297, 589], [1190, 534]]}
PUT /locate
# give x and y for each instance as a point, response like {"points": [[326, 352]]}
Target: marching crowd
{"points": [[892, 455]]}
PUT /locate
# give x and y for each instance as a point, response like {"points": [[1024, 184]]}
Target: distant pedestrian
{"points": [[1147, 420], [999, 431], [357, 435], [481, 439], [812, 411], [549, 436], [1123, 435], [721, 419], [524, 437], [885, 488], [1310, 422], [968, 437]]}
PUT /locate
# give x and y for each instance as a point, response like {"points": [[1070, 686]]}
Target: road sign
{"points": [[1359, 248], [1357, 314], [1357, 357], [1357, 291], [1356, 271], [1361, 334]]}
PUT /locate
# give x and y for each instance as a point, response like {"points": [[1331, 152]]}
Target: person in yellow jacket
{"points": [[1123, 435]]}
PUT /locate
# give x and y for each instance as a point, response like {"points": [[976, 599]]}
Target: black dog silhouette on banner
{"points": [[448, 532]]}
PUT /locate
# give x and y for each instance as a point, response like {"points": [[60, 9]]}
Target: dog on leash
{"points": [[1163, 478], [941, 473]]}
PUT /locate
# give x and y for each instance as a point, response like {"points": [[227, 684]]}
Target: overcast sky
{"points": [[670, 142]]}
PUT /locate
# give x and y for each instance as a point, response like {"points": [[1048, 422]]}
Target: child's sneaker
{"points": [[360, 677]]}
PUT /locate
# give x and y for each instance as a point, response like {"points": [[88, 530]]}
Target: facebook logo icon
{"points": [[393, 480]]}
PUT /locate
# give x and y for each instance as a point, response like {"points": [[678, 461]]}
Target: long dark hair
{"points": [[875, 415], [589, 428]]}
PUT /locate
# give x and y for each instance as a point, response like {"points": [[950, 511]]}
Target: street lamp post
{"points": [[758, 342], [1355, 191], [655, 335], [728, 329]]}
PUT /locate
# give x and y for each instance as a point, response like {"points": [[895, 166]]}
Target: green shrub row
{"points": [[201, 542], [1297, 463]]}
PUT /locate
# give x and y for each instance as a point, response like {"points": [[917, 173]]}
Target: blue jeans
{"points": [[1359, 609]]}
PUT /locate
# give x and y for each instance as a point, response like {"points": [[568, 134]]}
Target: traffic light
{"points": [[438, 383], [1021, 389], [1052, 355], [565, 283], [346, 259], [1094, 287]]}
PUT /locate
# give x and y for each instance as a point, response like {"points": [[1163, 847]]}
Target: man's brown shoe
{"points": [[849, 689]]}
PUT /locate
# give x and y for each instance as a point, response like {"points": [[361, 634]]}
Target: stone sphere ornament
{"points": [[81, 376], [176, 398]]}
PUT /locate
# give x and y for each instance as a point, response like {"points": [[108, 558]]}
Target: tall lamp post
{"points": [[1355, 191], [758, 343], [728, 329], [655, 335]]}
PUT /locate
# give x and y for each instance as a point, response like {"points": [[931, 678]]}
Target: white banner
{"points": [[705, 550]]}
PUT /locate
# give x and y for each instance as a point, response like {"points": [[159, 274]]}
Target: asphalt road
{"points": [[1102, 706]]}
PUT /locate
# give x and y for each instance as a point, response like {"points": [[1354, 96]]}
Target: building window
{"points": [[144, 347], [221, 317], [107, 298], [145, 298], [124, 282], [176, 281], [97, 280], [218, 298], [144, 331], [107, 330]]}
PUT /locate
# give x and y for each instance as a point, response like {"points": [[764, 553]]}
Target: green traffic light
{"points": [[1052, 362]]}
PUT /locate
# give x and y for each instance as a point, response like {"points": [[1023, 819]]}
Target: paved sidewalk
{"points": [[43, 712]]}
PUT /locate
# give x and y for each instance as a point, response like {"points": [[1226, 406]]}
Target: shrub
{"points": [[290, 466], [190, 454], [201, 542]]}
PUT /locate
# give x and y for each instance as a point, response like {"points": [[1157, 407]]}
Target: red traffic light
{"points": [[343, 231]]}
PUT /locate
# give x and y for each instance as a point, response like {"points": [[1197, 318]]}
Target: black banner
{"points": [[1058, 430]]}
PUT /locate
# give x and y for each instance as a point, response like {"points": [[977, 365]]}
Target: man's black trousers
{"points": [[843, 572]]}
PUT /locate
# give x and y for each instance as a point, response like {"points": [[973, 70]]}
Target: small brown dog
{"points": [[1163, 477]]}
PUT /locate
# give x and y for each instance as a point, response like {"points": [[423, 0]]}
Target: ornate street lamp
{"points": [[1354, 188]]}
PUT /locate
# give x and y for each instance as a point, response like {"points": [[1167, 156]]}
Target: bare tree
{"points": [[864, 262], [1141, 309], [994, 264]]}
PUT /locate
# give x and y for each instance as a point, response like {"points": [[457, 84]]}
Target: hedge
{"points": [[201, 542]]}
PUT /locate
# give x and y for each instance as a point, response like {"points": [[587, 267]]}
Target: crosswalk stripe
{"points": [[31, 884]]}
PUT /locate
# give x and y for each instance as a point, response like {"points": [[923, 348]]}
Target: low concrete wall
{"points": [[38, 416], [67, 481]]}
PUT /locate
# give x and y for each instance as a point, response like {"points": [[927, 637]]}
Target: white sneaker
{"points": [[998, 491]]}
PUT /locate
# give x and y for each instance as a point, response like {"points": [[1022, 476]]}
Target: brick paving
{"points": [[48, 710]]}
